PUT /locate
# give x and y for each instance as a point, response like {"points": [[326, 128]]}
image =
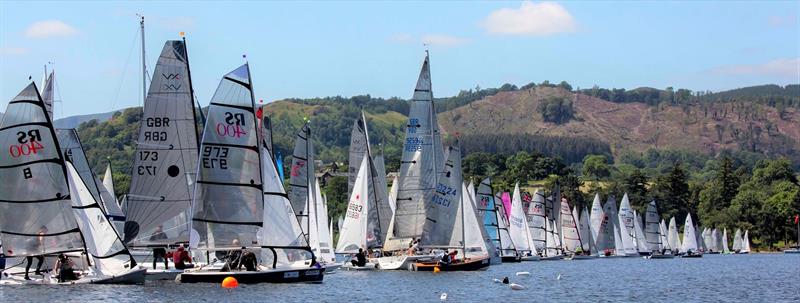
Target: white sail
{"points": [[228, 201], [746, 242], [725, 241], [518, 228], [587, 238], [689, 242], [626, 219], [639, 235], [475, 239], [353, 233], [165, 160], [536, 221], [108, 181], [421, 162], [393, 195], [553, 247], [109, 255], [595, 223], [672, 235], [569, 230], [664, 243], [737, 241], [325, 252], [716, 240], [48, 93], [34, 195], [443, 226], [281, 232], [471, 191], [610, 209], [652, 229]]}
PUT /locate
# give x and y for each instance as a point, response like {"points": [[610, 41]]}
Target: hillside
{"points": [[74, 121], [707, 128]]}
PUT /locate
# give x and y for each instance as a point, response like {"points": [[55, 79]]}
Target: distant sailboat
{"points": [[737, 241], [627, 233], [745, 243], [491, 222], [570, 238], [536, 222], [689, 247], [519, 230], [672, 236], [724, 240]]}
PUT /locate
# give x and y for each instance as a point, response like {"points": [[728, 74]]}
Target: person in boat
{"points": [[237, 258], [413, 247], [181, 258], [65, 269], [360, 259], [159, 253], [35, 244]]}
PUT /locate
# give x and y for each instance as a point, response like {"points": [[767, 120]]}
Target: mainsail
{"points": [[165, 160], [519, 230], [587, 238], [301, 174], [652, 229], [665, 245], [323, 245], [443, 227], [228, 202], [639, 235], [626, 219], [507, 247], [380, 211], [689, 242], [36, 215], [353, 233], [421, 162], [672, 235], [724, 241], [746, 242], [569, 230], [536, 221], [737, 241], [613, 224]]}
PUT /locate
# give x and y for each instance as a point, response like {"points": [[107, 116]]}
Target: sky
{"points": [[328, 48]]}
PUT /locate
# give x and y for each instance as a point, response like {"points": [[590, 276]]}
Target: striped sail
{"points": [[165, 160], [35, 209], [443, 226], [570, 239], [422, 160], [536, 220], [300, 176], [652, 229], [228, 201], [487, 210]]}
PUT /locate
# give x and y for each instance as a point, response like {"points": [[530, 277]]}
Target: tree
{"points": [[596, 166], [556, 109], [635, 185], [671, 193]]}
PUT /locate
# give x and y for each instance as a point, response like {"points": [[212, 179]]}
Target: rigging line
{"points": [[124, 71]]}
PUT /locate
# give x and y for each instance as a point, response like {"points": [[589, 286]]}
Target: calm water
{"points": [[713, 278]]}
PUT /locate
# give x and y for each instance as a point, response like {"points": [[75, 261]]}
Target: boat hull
{"points": [[470, 265], [400, 262], [692, 256], [552, 258], [511, 259], [530, 258], [583, 257], [662, 256], [792, 251], [162, 274], [305, 275]]}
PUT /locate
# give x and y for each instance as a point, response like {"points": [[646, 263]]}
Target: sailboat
{"points": [[353, 234], [689, 247], [602, 229], [239, 203], [627, 233], [745, 243], [379, 211], [164, 168], [588, 243], [672, 236], [537, 218], [421, 164], [45, 201], [725, 249], [491, 223], [519, 230], [613, 223], [508, 250], [110, 202], [570, 237], [737, 241], [322, 240], [452, 223], [639, 236], [655, 234], [716, 242]]}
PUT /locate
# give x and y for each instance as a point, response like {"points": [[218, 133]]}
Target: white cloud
{"points": [[13, 51], [443, 40], [789, 67], [531, 19], [50, 28]]}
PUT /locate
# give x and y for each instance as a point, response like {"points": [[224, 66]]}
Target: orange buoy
{"points": [[230, 282], [436, 269]]}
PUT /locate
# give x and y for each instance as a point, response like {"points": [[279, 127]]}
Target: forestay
{"points": [[228, 201], [165, 160], [35, 209], [421, 162]]}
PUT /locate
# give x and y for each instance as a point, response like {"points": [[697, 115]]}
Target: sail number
{"points": [[29, 143], [159, 136], [149, 170], [232, 126], [354, 210], [215, 157]]}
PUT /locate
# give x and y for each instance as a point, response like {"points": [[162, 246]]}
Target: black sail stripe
{"points": [[248, 147], [43, 124], [52, 160], [258, 186], [244, 108], [227, 222], [67, 197], [74, 230]]}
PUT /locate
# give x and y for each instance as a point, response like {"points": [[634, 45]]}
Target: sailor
{"points": [[64, 269], [159, 253], [180, 258], [361, 259], [35, 244]]}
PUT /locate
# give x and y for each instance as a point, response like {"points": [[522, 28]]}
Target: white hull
{"points": [[530, 258], [400, 262], [131, 276]]}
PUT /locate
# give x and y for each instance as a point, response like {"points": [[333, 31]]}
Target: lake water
{"points": [[713, 278]]}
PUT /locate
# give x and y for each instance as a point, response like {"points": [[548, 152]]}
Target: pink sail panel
{"points": [[506, 197]]}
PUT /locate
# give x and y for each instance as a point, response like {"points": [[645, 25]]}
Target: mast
{"points": [[144, 64]]}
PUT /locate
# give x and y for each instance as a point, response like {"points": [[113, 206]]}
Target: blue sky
{"points": [[309, 49]]}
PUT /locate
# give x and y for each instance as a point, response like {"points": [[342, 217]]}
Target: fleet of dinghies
{"points": [[221, 193]]}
